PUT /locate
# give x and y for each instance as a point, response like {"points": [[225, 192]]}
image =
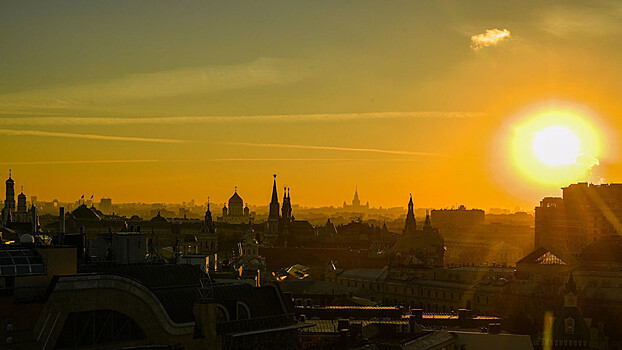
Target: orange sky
{"points": [[155, 102]]}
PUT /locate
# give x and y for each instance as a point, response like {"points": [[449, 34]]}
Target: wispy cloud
{"points": [[178, 120], [334, 148], [10, 132], [130, 161], [491, 37], [180, 82], [594, 20], [69, 162]]}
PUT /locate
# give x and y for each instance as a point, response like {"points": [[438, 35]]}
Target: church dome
{"points": [[159, 218], [84, 213], [235, 199], [10, 181]]}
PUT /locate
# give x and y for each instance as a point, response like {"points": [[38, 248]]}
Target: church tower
{"points": [[411, 223], [273, 216], [9, 202], [21, 202], [208, 222]]}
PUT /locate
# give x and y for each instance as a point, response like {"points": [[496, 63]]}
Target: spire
{"points": [[427, 222], [288, 193], [284, 194], [570, 286], [275, 197], [410, 226]]}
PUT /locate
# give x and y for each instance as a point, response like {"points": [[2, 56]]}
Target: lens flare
{"points": [[555, 145]]}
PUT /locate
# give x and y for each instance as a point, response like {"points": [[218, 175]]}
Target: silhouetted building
{"points": [[19, 218], [356, 202], [419, 247], [585, 213], [236, 213]]}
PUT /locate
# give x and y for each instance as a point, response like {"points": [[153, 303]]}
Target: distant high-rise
{"points": [[584, 213], [105, 205], [356, 202]]}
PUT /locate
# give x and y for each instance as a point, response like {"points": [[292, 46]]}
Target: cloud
{"points": [[135, 87], [333, 148], [10, 132], [491, 38], [587, 160], [106, 121]]}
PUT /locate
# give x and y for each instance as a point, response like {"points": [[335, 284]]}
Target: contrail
{"points": [[62, 162], [11, 132], [333, 148], [178, 120]]}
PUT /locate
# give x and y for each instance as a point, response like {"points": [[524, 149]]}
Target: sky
{"points": [[168, 101]]}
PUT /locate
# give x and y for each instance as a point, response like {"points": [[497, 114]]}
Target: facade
{"points": [[584, 213]]}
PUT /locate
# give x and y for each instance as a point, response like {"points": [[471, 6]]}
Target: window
{"points": [[569, 322], [244, 313]]}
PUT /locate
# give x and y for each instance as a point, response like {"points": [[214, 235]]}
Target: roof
{"points": [[19, 260], [607, 250], [543, 256], [159, 218], [235, 198], [85, 213], [430, 341], [176, 285], [476, 340]]}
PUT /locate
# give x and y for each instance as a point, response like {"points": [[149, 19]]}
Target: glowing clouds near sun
{"points": [[491, 37]]}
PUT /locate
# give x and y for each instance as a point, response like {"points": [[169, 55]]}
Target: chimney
{"points": [[62, 220], [494, 328]]}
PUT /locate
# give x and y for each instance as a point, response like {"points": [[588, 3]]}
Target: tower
{"points": [[356, 202], [208, 216], [9, 202], [273, 216], [410, 226], [21, 202]]}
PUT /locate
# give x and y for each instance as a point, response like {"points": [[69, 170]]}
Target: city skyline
{"points": [[442, 100]]}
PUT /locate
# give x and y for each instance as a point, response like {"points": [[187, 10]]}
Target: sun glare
{"points": [[555, 146]]}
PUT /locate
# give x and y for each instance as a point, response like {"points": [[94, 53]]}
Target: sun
{"points": [[556, 145]]}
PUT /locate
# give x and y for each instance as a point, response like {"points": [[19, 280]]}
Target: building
{"points": [[19, 218], [105, 205], [419, 247], [282, 229], [45, 303], [457, 222], [236, 213], [584, 213], [356, 202]]}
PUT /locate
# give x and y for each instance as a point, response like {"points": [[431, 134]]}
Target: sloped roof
{"points": [[606, 250], [85, 213], [544, 256]]}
